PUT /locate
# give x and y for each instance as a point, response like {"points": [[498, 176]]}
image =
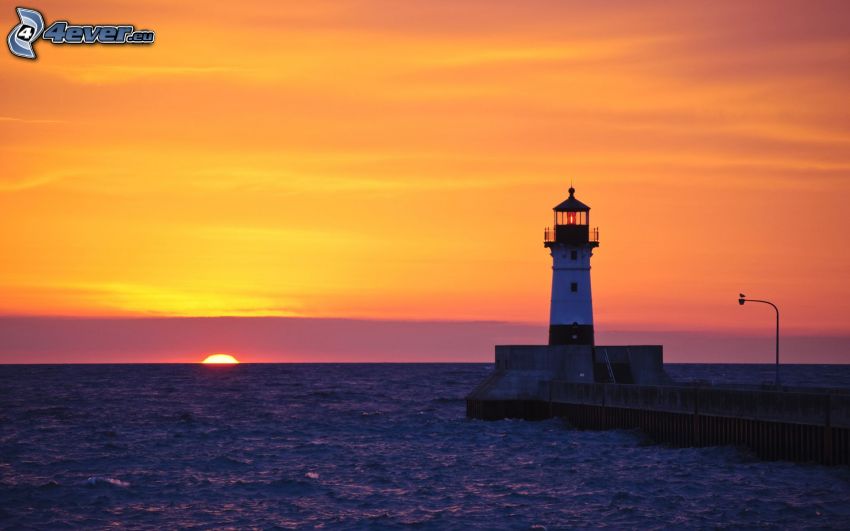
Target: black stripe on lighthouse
{"points": [[574, 334]]}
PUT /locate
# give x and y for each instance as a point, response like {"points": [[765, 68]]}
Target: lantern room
{"points": [[572, 220]]}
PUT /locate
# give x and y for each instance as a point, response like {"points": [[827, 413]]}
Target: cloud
{"points": [[141, 299], [115, 74], [17, 184], [30, 120]]}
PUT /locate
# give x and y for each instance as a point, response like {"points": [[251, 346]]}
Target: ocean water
{"points": [[366, 446]]}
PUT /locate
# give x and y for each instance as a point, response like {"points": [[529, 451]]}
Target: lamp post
{"points": [[741, 300]]}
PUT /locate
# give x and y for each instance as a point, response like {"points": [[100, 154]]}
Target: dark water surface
{"points": [[355, 446]]}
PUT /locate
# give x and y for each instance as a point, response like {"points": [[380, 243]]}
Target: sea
{"points": [[368, 446]]}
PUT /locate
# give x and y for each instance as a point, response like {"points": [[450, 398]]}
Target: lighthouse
{"points": [[538, 381], [571, 243]]}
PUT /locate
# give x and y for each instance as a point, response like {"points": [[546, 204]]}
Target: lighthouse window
{"points": [[570, 218], [574, 287], [573, 255]]}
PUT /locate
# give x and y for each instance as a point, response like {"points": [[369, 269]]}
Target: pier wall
{"points": [[643, 364], [796, 425]]}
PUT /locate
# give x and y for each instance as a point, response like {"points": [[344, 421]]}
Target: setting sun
{"points": [[220, 359]]}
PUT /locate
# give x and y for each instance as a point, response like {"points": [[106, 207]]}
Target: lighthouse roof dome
{"points": [[571, 204]]}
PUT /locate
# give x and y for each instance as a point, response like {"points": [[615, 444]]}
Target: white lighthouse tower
{"points": [[571, 243]]}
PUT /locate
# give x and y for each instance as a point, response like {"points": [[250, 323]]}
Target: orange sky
{"points": [[399, 160]]}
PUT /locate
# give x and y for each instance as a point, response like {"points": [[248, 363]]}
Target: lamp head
{"points": [[741, 297]]}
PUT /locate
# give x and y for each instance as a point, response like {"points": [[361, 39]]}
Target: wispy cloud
{"points": [[114, 74], [15, 119], [17, 184], [154, 300]]}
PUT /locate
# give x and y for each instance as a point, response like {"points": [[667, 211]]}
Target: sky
{"points": [[391, 166]]}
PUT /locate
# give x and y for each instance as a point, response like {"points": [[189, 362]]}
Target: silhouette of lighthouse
{"points": [[571, 243]]}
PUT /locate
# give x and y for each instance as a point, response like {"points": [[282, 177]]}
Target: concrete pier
{"points": [[538, 382]]}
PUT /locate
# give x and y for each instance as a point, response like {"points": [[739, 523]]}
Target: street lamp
{"points": [[741, 300]]}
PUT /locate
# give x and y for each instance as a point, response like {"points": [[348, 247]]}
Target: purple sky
{"points": [[273, 339]]}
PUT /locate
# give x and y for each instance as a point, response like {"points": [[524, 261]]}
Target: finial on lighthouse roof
{"points": [[571, 204]]}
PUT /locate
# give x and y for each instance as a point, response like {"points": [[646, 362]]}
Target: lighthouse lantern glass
{"points": [[571, 218]]}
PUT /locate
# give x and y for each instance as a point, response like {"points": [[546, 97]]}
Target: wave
{"points": [[97, 481]]}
